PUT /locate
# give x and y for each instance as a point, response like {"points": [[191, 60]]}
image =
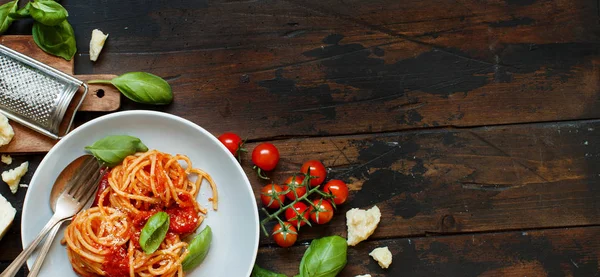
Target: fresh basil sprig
{"points": [[154, 232], [21, 13], [49, 13], [5, 10], [57, 40], [111, 150], [198, 249], [257, 271], [325, 257], [141, 87]]}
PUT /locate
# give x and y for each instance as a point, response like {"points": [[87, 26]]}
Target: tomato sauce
{"points": [[116, 263], [183, 220], [101, 188]]}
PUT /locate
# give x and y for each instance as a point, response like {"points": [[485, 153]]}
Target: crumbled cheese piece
{"points": [[13, 177], [383, 256], [96, 44], [361, 224], [7, 214], [24, 185], [7, 159], [366, 275], [6, 131]]}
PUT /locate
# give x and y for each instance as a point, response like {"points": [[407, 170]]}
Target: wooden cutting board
{"points": [[100, 98]]}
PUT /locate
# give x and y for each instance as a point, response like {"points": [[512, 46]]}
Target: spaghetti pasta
{"points": [[104, 240]]}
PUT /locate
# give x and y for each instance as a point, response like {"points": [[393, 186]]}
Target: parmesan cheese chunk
{"points": [[96, 44], [361, 224], [383, 256], [6, 131], [7, 214], [7, 159], [13, 177]]}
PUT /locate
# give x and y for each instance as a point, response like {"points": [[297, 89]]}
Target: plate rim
{"points": [[185, 121]]}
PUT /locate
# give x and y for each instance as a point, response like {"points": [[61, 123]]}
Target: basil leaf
{"points": [[56, 40], [5, 10], [111, 150], [198, 249], [257, 271], [141, 87], [21, 13], [49, 13], [154, 232], [325, 257]]}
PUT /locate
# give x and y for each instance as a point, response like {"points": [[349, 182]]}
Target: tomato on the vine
{"points": [[294, 183], [232, 142], [269, 195], [338, 189], [265, 156], [285, 236], [317, 169], [323, 213], [296, 218]]}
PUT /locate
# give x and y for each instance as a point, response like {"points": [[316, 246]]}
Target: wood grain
{"points": [[457, 180], [311, 68], [560, 252]]}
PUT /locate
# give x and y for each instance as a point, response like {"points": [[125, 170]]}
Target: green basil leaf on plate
{"points": [[325, 257], [56, 40], [5, 10], [49, 13], [21, 13], [154, 232], [141, 87], [198, 249], [257, 271], [111, 150]]}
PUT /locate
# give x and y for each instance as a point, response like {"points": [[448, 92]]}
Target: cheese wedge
{"points": [[96, 44], [7, 215], [13, 177], [361, 224], [7, 159], [6, 131], [383, 256]]}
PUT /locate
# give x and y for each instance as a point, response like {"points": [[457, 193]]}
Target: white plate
{"points": [[235, 225]]}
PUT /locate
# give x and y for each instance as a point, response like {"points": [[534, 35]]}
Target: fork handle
{"points": [[39, 261], [14, 267]]}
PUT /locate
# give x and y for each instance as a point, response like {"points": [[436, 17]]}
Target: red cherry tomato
{"points": [[323, 214], [338, 189], [265, 156], [294, 218], [269, 195], [317, 169], [294, 182], [232, 142], [285, 237]]}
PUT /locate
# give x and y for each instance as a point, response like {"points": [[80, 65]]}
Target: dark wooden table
{"points": [[473, 125]]}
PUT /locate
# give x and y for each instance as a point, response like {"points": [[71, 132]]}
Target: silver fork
{"points": [[76, 194]]}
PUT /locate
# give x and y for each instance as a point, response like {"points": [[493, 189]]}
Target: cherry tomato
{"points": [[285, 237], [338, 189], [294, 218], [296, 183], [269, 195], [323, 214], [265, 156], [317, 169], [233, 142]]}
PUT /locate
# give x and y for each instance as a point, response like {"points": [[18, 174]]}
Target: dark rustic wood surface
{"points": [[473, 125]]}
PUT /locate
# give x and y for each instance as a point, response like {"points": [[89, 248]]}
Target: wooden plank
{"points": [[317, 68], [561, 252], [457, 180]]}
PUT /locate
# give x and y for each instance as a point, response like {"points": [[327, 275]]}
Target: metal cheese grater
{"points": [[36, 95]]}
